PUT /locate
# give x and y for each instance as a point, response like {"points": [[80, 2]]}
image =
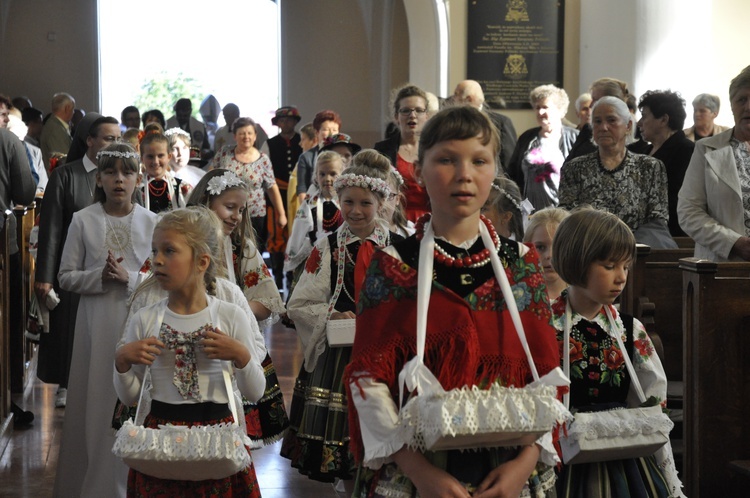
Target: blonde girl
{"points": [[226, 195], [540, 233], [185, 339], [106, 245], [317, 441], [318, 214]]}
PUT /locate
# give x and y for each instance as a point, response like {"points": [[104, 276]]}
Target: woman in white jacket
{"points": [[714, 203]]}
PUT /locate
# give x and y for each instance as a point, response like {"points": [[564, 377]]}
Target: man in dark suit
{"points": [[17, 186], [470, 92]]}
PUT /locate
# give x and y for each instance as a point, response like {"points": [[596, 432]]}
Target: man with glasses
{"points": [[70, 189]]}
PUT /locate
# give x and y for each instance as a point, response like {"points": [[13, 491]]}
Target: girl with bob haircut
{"points": [[467, 340], [593, 251]]}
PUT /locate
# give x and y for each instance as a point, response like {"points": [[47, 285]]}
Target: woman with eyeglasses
{"points": [[409, 114], [541, 151]]}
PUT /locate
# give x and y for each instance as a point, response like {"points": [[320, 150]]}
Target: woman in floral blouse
{"points": [[256, 171], [631, 186]]}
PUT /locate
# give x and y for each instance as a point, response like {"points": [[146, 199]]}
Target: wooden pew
{"points": [[22, 350], [716, 318], [653, 295], [6, 417]]}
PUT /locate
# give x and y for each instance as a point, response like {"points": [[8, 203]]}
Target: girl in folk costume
{"points": [[161, 190], [317, 441], [470, 337], [106, 246], [319, 214], [197, 334], [226, 195], [593, 251], [506, 209]]}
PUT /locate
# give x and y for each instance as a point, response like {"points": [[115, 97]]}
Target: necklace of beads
{"points": [[333, 223], [470, 261], [157, 191]]}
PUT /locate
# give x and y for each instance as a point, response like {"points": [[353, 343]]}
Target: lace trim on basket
{"points": [[608, 427], [226, 441], [498, 409]]}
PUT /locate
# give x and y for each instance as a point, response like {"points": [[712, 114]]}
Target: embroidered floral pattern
{"points": [[146, 268], [313, 262], [635, 191], [255, 275], [185, 367], [644, 346]]}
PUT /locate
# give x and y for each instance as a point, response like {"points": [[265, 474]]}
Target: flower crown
{"points": [[117, 153], [351, 180], [218, 184], [507, 196], [176, 131], [397, 176]]}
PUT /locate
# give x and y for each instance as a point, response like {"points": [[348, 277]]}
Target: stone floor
{"points": [[28, 464]]}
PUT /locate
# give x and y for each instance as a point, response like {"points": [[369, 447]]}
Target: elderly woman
{"points": [[705, 109], [662, 117], [255, 169], [583, 110], [541, 151], [410, 106], [714, 202], [631, 186]]}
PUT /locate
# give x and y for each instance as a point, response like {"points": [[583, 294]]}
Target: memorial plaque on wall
{"points": [[515, 46]]}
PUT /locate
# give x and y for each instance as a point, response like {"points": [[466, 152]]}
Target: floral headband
{"points": [[176, 131], [351, 180], [397, 176], [507, 196], [218, 184], [116, 153]]}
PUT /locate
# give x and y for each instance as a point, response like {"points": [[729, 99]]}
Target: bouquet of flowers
{"points": [[542, 164]]}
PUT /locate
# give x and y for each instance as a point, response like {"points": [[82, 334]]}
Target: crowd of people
{"points": [[152, 236]]}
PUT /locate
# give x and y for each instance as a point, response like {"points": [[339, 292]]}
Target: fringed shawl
{"points": [[470, 341]]}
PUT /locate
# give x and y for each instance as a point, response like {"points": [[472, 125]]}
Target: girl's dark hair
{"points": [[156, 113], [588, 235], [200, 196], [458, 123], [107, 162]]}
